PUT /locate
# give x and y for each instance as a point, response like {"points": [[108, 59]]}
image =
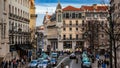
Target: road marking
{"points": [[71, 64], [61, 62]]}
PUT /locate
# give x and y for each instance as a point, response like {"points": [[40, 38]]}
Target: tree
{"points": [[113, 30]]}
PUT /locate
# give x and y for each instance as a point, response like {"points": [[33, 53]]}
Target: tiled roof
{"points": [[86, 8], [71, 8]]}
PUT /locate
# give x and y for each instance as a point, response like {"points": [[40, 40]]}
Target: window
{"points": [[9, 8], [64, 29], [76, 36], [70, 36], [4, 4], [80, 15], [73, 15], [64, 36], [102, 35], [64, 15], [59, 17], [83, 23], [76, 22], [70, 29], [67, 15], [63, 22], [76, 29], [70, 23]]}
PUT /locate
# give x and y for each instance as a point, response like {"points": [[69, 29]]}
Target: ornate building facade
{"points": [[4, 38], [19, 18]]}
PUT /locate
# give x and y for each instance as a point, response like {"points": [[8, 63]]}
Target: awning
{"points": [[25, 47]]}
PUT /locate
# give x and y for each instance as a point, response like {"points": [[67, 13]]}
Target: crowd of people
{"points": [[14, 63]]}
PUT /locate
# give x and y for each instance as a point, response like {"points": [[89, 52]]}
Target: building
{"points": [[32, 24], [19, 19], [4, 25], [66, 27], [115, 7], [40, 39], [94, 25]]}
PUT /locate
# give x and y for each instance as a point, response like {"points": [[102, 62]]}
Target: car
{"points": [[54, 55], [72, 56], [40, 64], [40, 59], [86, 63], [44, 64], [33, 64], [53, 62]]}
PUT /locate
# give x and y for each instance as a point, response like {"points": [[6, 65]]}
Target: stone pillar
{"points": [[60, 46], [73, 45]]}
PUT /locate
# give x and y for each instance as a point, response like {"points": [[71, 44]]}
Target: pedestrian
{"points": [[62, 65], [76, 60], [9, 63], [6, 64], [99, 63], [103, 65], [1, 65]]}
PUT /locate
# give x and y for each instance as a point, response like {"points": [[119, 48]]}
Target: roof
{"points": [[71, 8], [86, 8], [59, 6]]}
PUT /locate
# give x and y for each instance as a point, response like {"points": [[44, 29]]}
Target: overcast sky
{"points": [[43, 6]]}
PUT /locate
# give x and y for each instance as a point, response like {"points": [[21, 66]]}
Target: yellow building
{"points": [[33, 16]]}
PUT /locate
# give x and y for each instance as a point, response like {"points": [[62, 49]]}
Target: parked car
{"points": [[53, 62], [33, 64], [44, 64], [72, 56]]}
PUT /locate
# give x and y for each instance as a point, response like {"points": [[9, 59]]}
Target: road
{"points": [[70, 63]]}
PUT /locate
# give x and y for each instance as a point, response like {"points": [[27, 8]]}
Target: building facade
{"points": [[94, 25], [32, 24], [4, 36], [115, 10], [68, 25], [19, 18]]}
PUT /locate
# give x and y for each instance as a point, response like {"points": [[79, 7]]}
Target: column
{"points": [[60, 46], [73, 45]]}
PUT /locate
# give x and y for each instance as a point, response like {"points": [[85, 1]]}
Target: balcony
{"points": [[52, 36], [73, 39]]}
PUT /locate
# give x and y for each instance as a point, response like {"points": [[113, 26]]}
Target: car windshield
{"points": [[52, 59], [85, 59], [54, 54], [45, 62], [34, 61]]}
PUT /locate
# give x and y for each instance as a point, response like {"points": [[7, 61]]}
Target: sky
{"points": [[43, 6]]}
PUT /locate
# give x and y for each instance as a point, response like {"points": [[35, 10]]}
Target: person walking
{"points": [[103, 65], [62, 65]]}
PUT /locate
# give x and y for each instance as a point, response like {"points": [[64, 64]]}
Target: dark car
{"points": [[53, 62], [72, 56]]}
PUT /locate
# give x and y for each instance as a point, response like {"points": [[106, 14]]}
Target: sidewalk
{"points": [[95, 64]]}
